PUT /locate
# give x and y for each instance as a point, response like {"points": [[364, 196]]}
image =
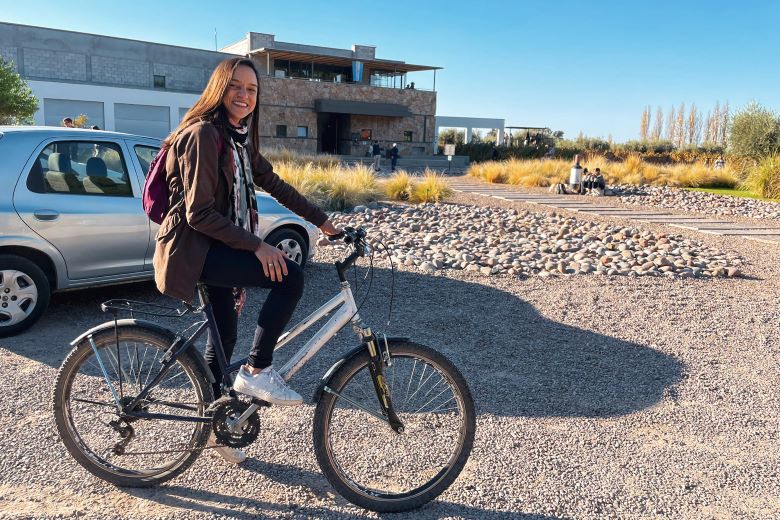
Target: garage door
{"points": [[149, 120], [54, 110]]}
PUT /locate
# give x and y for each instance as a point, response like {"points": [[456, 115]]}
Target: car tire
{"points": [[24, 294], [291, 243]]}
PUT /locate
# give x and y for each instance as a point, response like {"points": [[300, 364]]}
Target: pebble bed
{"points": [[497, 241], [697, 201]]}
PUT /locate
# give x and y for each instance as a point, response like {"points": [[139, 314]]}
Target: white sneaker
{"points": [[234, 455], [267, 385]]}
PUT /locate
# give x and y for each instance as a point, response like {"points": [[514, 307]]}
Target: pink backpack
{"points": [[156, 197]]}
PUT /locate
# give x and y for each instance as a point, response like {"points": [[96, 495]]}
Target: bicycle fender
{"points": [[346, 357], [133, 322]]}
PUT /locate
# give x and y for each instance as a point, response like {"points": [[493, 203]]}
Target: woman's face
{"points": [[241, 96]]}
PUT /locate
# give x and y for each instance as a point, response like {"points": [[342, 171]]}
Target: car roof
{"points": [[75, 132]]}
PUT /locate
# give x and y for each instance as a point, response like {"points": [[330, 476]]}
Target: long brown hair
{"points": [[209, 106]]}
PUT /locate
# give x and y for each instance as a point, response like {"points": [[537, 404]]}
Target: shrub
{"points": [[764, 178], [333, 188], [432, 188], [399, 186], [755, 132]]}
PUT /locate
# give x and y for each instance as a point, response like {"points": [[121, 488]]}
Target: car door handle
{"points": [[46, 214]]}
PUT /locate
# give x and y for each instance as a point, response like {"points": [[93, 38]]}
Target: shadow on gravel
{"points": [[517, 362], [212, 503]]}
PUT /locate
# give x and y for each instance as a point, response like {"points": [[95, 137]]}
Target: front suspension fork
{"points": [[376, 367]]}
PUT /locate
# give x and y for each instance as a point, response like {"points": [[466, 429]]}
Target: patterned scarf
{"points": [[243, 210]]}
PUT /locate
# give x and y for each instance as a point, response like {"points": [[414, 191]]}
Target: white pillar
{"points": [[500, 136], [108, 116], [468, 135]]}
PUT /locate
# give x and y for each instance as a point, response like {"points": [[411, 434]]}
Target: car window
{"points": [[145, 155], [81, 168]]}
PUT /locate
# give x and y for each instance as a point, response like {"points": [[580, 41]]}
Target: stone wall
{"points": [[291, 102]]}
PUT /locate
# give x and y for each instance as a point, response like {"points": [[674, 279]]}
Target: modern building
{"points": [[312, 99]]}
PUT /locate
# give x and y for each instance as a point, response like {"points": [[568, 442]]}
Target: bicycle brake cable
{"points": [[392, 282]]}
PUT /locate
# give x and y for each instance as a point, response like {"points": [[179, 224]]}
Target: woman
{"points": [[210, 233]]}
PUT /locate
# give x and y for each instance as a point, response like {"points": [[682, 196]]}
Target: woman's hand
{"points": [[329, 229], [273, 261]]}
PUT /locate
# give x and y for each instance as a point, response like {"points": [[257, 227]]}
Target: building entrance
{"points": [[333, 133]]}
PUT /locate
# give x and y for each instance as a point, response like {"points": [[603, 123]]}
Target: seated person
{"points": [[597, 181], [587, 181]]}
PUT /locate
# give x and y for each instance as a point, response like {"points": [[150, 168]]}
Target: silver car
{"points": [[71, 216]]}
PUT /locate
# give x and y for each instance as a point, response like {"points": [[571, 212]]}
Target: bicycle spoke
{"points": [[375, 458]]}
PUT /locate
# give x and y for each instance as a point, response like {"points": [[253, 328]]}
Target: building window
{"points": [[408, 136], [281, 130], [159, 81], [303, 131]]}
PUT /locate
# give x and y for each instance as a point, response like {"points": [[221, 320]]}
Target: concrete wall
{"points": [[51, 54]]}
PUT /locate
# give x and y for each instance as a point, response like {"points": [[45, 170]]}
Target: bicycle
{"points": [[394, 421]]}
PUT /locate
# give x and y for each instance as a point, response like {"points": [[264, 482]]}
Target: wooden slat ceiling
{"points": [[389, 66]]}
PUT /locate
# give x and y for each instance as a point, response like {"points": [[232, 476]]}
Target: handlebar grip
{"points": [[333, 238]]}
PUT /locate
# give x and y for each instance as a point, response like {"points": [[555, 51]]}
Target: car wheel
{"points": [[24, 294], [292, 243]]}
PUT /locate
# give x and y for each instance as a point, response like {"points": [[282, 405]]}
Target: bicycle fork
{"points": [[377, 359]]}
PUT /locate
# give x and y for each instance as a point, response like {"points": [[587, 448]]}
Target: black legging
{"points": [[226, 268]]}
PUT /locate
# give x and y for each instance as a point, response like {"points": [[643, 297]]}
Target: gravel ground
{"points": [[598, 397], [697, 201]]}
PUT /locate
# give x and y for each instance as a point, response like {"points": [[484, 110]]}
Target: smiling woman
{"points": [[211, 233]]}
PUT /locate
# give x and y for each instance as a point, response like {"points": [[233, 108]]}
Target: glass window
{"points": [[145, 155], [159, 81], [82, 168], [408, 136], [303, 131], [281, 130]]}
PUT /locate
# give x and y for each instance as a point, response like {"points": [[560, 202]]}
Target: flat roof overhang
{"points": [[339, 106], [385, 65]]}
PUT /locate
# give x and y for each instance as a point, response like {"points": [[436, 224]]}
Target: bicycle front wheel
{"points": [[129, 451], [365, 460]]}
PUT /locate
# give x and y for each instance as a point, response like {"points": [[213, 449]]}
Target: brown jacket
{"points": [[201, 215]]}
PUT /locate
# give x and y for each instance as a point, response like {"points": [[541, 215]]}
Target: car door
{"points": [[79, 196], [143, 152]]}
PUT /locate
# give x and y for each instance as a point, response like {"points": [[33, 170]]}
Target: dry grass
{"points": [[333, 188], [429, 187], [536, 172], [399, 186], [764, 179], [432, 187]]}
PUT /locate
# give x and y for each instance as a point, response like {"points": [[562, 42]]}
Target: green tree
{"points": [[17, 102], [451, 136], [755, 132]]}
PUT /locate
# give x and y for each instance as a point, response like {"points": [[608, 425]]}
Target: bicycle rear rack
{"points": [[153, 309]]}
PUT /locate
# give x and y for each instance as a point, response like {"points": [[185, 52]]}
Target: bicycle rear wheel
{"points": [[365, 460], [88, 420]]}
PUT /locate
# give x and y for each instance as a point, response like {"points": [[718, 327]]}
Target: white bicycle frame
{"points": [[345, 314]]}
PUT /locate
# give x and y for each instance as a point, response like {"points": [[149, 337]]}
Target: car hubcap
{"points": [[18, 296], [292, 249]]}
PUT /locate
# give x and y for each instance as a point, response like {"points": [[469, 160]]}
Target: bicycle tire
{"points": [[345, 484], [85, 454]]}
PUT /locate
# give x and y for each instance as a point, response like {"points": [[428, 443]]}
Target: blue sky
{"points": [[587, 66]]}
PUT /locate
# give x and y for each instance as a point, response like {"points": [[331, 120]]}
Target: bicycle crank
{"points": [[225, 413]]}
